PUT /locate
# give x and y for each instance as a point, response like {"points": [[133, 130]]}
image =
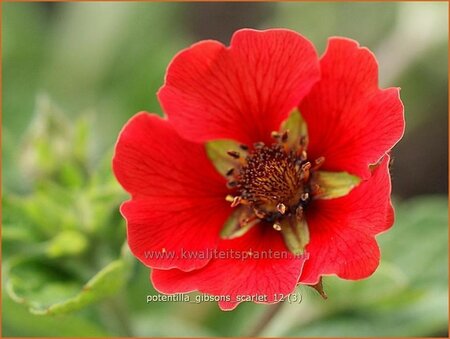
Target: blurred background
{"points": [[74, 73]]}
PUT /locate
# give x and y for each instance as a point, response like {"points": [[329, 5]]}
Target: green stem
{"points": [[265, 320], [117, 313]]}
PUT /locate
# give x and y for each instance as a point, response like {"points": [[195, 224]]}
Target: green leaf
{"points": [[422, 223], [105, 283], [67, 242], [334, 184], [54, 148], [38, 282], [17, 321], [295, 234], [81, 138], [47, 142], [296, 127], [48, 288], [217, 153]]}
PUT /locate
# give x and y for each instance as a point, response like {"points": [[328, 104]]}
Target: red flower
{"points": [[315, 183]]}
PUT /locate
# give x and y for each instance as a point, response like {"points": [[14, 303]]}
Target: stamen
{"points": [[230, 172], [272, 181], [236, 201], [259, 214], [303, 141], [303, 155], [306, 166], [243, 147], [299, 213], [318, 162], [234, 154], [229, 198], [275, 135], [231, 184], [259, 145], [281, 208], [305, 171]]}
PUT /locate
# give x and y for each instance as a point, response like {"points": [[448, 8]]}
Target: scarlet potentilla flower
{"points": [[267, 150]]}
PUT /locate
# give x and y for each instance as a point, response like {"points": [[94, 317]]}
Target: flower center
{"points": [[273, 182]]}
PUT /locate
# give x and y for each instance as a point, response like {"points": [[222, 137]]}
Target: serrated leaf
{"points": [[334, 184]]}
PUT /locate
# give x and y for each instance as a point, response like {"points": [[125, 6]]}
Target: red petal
{"points": [[177, 195], [242, 92], [267, 279], [342, 231], [350, 120]]}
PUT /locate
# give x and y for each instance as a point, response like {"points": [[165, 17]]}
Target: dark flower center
{"points": [[273, 181]]}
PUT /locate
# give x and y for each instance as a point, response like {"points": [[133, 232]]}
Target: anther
{"points": [[232, 184], [234, 154], [319, 162], [275, 135], [306, 166], [259, 214], [236, 201], [259, 145], [229, 198], [243, 147], [281, 208], [304, 196], [303, 141], [230, 172], [303, 155], [277, 226]]}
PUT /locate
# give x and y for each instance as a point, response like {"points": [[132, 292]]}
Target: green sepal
{"points": [[319, 288], [296, 126], [295, 234], [105, 283], [334, 184], [232, 227], [217, 153]]}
